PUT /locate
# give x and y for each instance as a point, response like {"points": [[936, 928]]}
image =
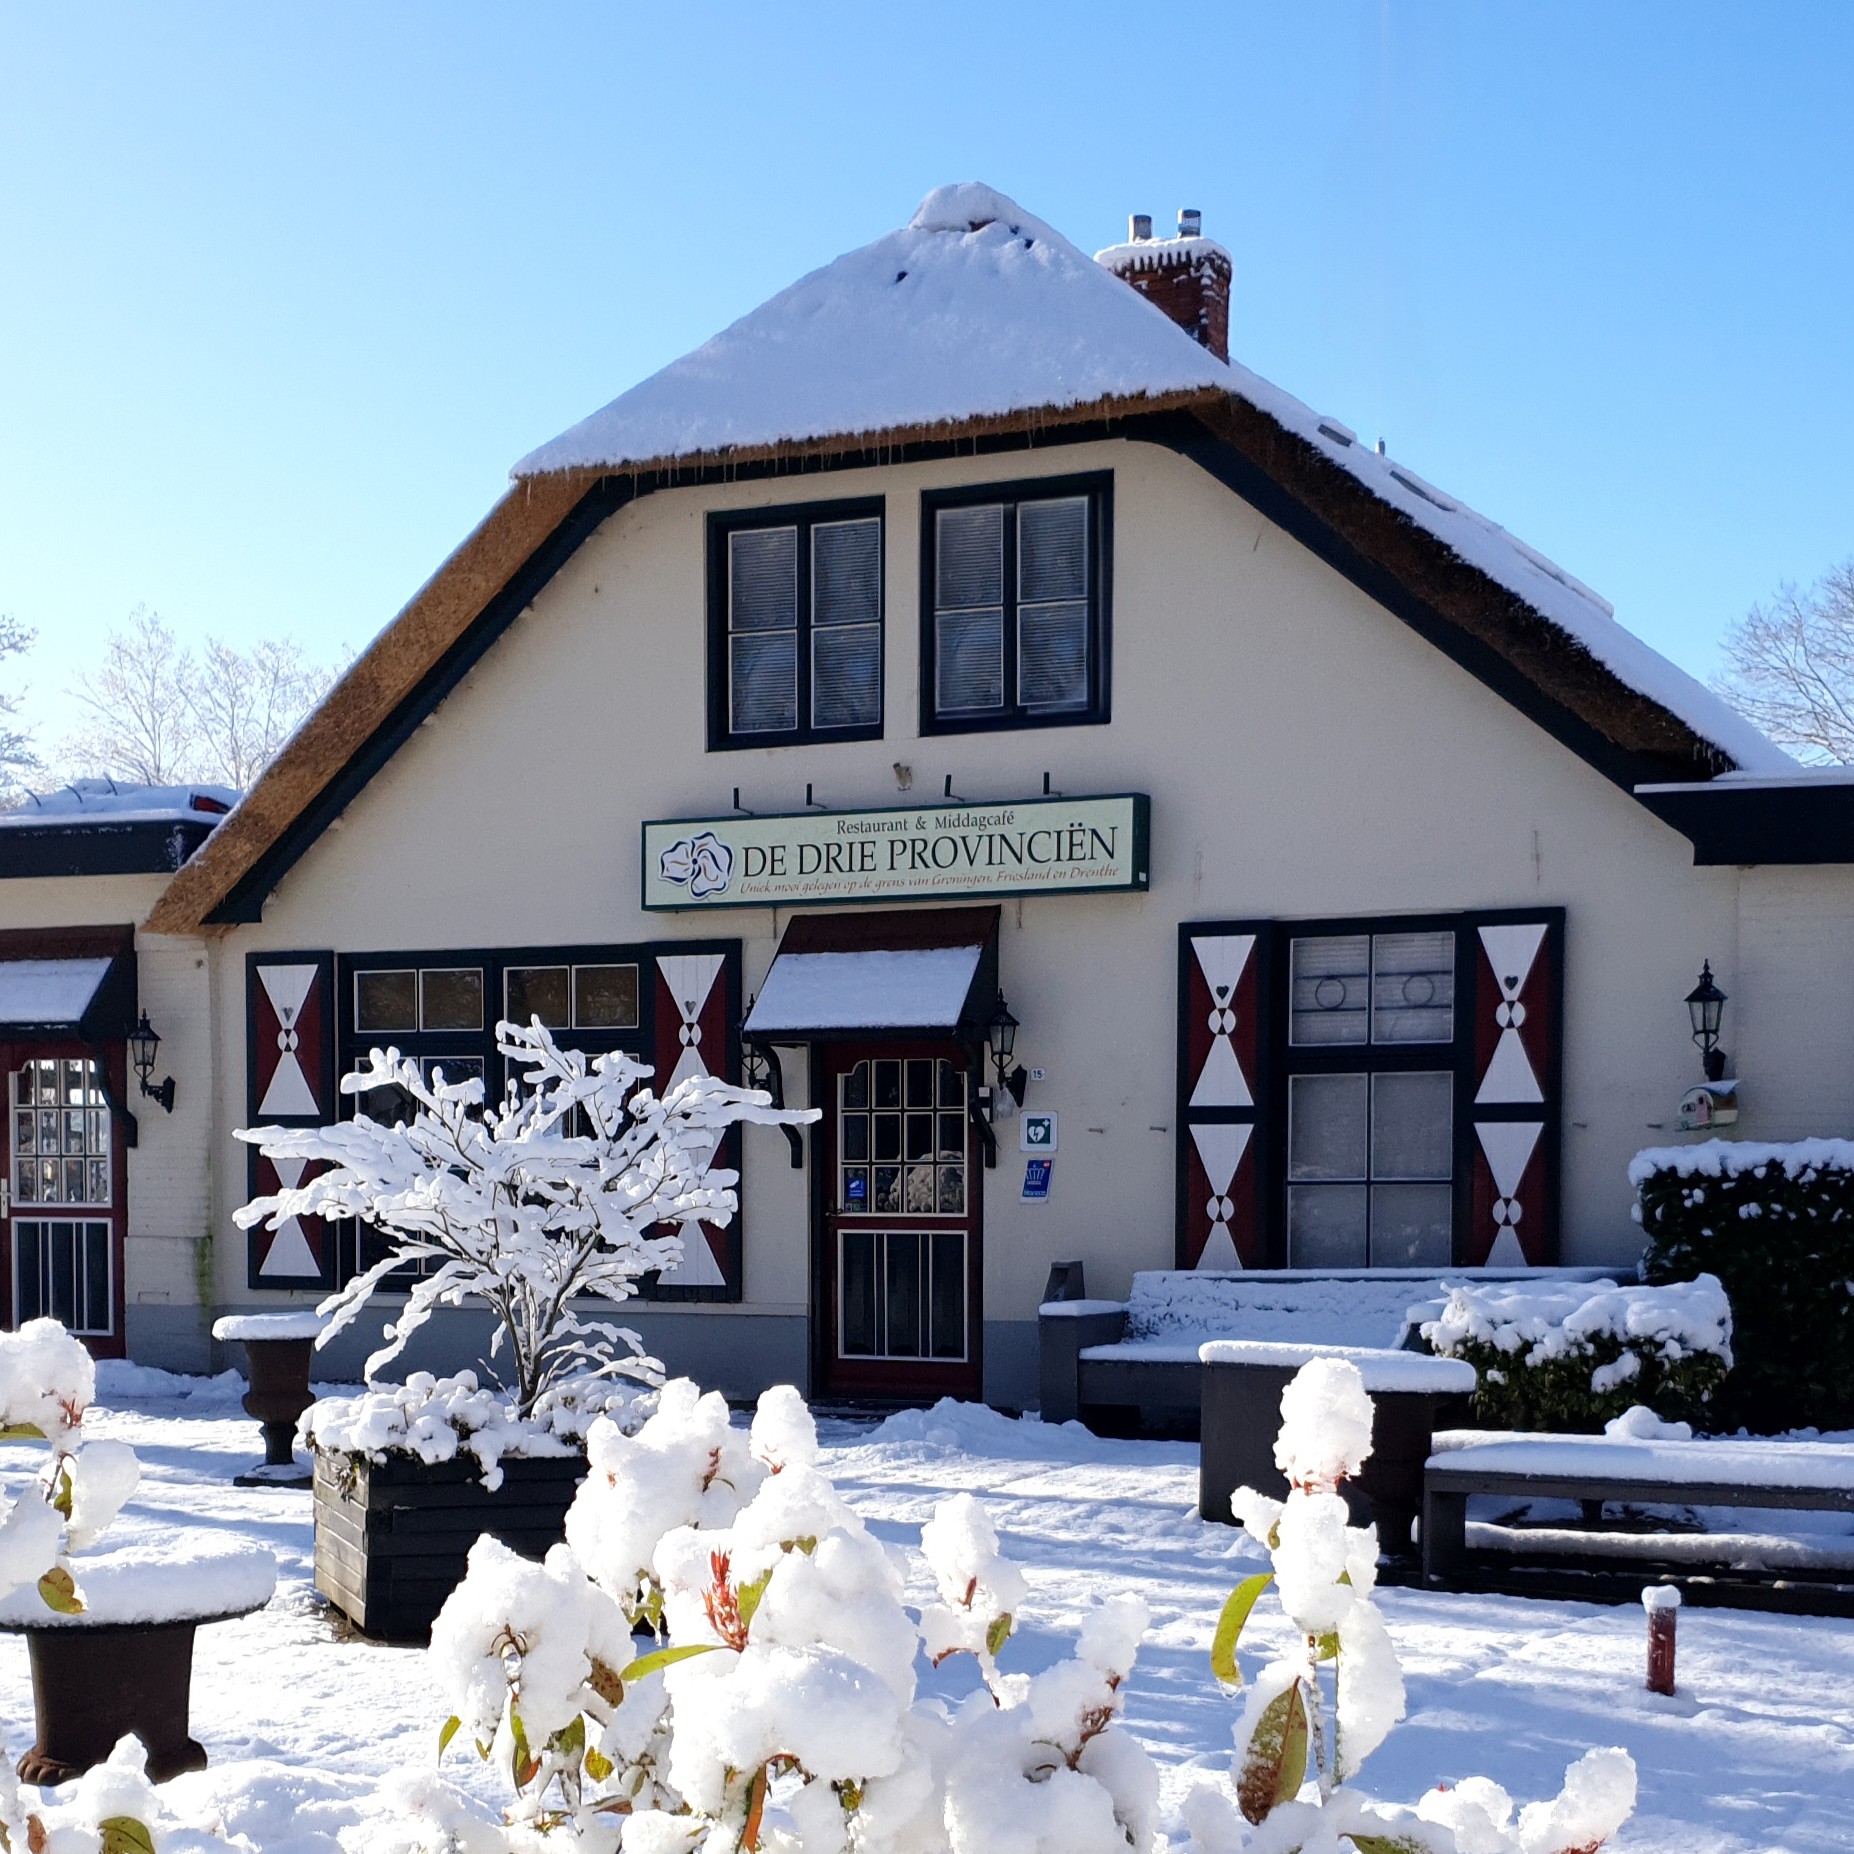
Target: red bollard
{"points": [[1662, 1602]]}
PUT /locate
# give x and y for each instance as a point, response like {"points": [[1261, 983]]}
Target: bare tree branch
{"points": [[1789, 667]]}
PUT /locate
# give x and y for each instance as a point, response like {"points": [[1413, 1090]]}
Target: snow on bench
{"points": [[1385, 1371], [1145, 1351], [1808, 1476]]}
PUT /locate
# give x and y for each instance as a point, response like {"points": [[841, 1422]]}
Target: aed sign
{"points": [[1036, 1133], [1040, 846]]}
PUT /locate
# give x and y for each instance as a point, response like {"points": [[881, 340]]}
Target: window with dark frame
{"points": [[1014, 605], [795, 625]]}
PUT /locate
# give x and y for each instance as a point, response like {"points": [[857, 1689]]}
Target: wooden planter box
{"points": [[1412, 1397], [392, 1537]]}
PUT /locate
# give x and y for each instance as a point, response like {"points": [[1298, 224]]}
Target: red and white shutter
{"points": [[697, 1014], [1514, 1105], [289, 1081], [1221, 1050]]}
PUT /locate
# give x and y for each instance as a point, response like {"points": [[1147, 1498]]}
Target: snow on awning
{"points": [[929, 974], [92, 1000]]}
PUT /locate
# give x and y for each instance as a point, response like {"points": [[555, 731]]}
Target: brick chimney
{"points": [[1187, 276]]}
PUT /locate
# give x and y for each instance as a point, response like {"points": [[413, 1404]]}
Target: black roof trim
{"points": [[150, 846], [1741, 825]]}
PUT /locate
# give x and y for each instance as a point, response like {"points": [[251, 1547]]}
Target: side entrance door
{"points": [[901, 1261], [63, 1202]]}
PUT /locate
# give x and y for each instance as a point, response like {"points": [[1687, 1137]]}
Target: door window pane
{"points": [[902, 1281], [1413, 987], [61, 1154], [1330, 988], [1413, 1125], [947, 1331], [1326, 1126], [62, 1270], [856, 1292]]}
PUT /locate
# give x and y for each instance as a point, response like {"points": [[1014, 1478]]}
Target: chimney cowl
{"points": [[1190, 222], [1139, 227]]}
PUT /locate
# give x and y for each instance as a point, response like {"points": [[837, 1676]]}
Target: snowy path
{"points": [[1756, 1755]]}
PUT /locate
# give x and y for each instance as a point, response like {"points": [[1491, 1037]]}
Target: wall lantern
{"points": [[755, 1070], [1705, 1007], [144, 1044], [1001, 1033]]}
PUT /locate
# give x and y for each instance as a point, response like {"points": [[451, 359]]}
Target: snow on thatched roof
{"points": [[976, 310]]}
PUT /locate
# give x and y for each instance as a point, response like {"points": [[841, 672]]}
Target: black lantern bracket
{"points": [[144, 1045], [760, 1068]]}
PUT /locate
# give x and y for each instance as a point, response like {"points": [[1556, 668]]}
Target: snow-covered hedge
{"points": [[1572, 1357], [438, 1419], [1775, 1223]]}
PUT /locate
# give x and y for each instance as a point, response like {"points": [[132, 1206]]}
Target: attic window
{"points": [[1014, 605], [795, 625]]}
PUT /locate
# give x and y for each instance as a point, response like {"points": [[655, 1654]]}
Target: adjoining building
{"points": [[1154, 827]]}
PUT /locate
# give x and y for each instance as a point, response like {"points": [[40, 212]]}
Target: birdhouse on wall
{"points": [[1712, 1104]]}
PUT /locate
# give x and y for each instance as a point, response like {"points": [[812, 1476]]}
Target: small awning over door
{"points": [[932, 973], [88, 1000]]}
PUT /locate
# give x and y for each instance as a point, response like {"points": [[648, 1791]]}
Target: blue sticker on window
{"points": [[856, 1189]]}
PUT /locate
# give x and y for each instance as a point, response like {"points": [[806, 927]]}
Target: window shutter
{"points": [[289, 1081], [696, 1031], [1513, 1109], [1222, 1093]]}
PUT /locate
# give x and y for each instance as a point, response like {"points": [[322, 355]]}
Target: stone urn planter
{"points": [[126, 1663], [278, 1347], [1413, 1394], [392, 1535]]}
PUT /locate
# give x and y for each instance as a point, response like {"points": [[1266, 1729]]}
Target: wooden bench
{"points": [[1601, 1566]]}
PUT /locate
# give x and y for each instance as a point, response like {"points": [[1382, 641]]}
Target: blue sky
{"points": [[284, 291]]}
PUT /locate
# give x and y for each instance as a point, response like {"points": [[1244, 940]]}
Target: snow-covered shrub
{"points": [[784, 1715], [1572, 1357], [438, 1419], [1776, 1225], [514, 1208], [47, 1382], [1313, 1715]]}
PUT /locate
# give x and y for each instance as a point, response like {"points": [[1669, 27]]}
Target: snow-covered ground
{"points": [[1756, 1754]]}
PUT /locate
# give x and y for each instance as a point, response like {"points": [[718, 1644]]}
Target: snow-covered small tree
{"points": [[509, 1203], [1298, 1725]]}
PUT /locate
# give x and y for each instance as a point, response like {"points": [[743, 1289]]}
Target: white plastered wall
{"points": [[1306, 754]]}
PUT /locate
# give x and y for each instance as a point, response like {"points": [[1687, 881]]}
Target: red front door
{"points": [[901, 1262], [63, 1202]]}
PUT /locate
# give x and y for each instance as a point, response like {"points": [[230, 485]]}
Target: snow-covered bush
{"points": [[1314, 1714], [784, 1715], [1775, 1224], [47, 1382], [510, 1206], [1572, 1357], [438, 1419]]}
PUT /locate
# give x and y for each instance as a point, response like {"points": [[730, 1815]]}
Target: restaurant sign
{"points": [[1040, 846]]}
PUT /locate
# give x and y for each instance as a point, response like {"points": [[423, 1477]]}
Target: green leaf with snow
{"points": [[659, 1659], [1230, 1627], [59, 1589], [1275, 1764], [750, 1595], [123, 1834], [451, 1727], [997, 1635]]}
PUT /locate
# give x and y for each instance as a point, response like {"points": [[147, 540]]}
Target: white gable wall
{"points": [[1306, 754]]}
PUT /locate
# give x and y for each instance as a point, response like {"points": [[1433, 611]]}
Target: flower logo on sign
{"points": [[702, 864]]}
